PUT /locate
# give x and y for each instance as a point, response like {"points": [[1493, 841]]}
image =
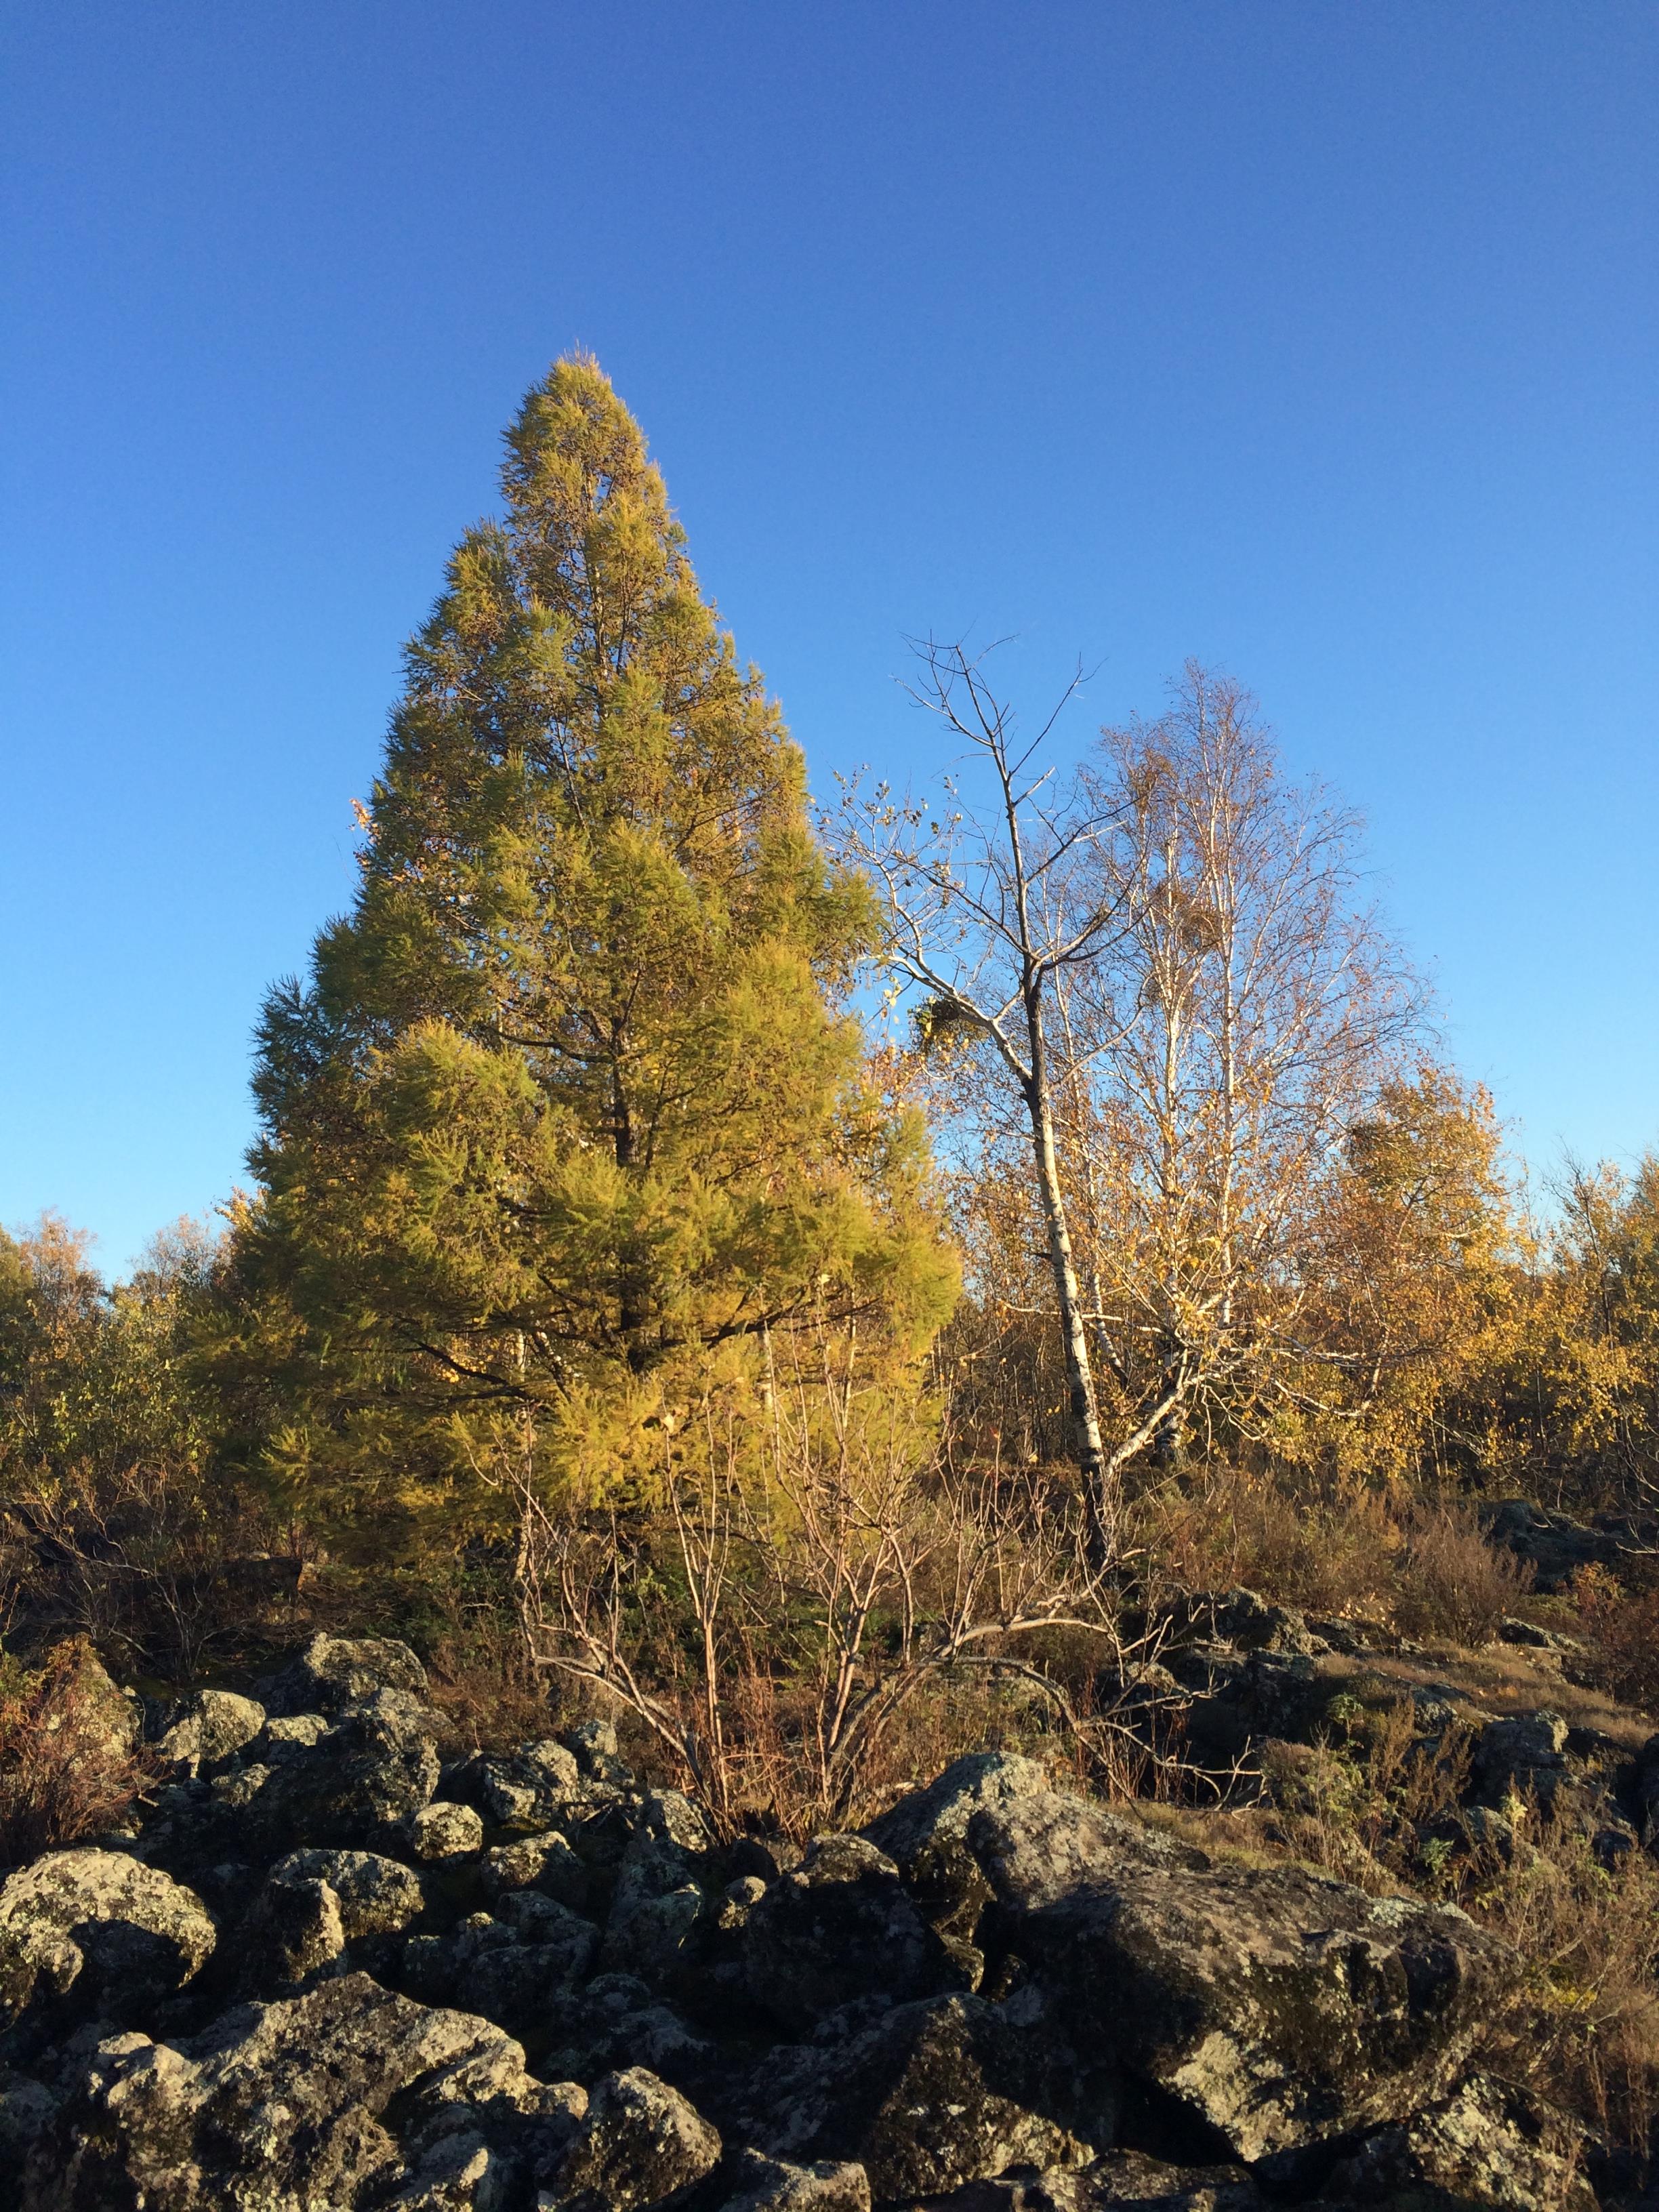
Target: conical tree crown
{"points": [[576, 747], [567, 1095]]}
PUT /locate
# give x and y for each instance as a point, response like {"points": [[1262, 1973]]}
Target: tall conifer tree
{"points": [[567, 1111]]}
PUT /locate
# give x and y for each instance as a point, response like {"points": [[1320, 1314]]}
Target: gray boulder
{"points": [[660, 1909], [512, 1968], [594, 1745], [312, 1782], [662, 1939], [375, 1768], [1491, 2143], [289, 1735], [614, 2023], [95, 1931], [925, 2098], [840, 1927], [28, 2109], [109, 1720], [1276, 2008], [547, 1862], [669, 1847], [1244, 1618], [480, 2133], [333, 1672], [771, 2184], [926, 1834], [459, 2171], [203, 1732], [378, 1896], [640, 2145], [1523, 1755], [441, 1834], [1051, 1847], [315, 1904], [1126, 2180], [294, 1933], [1554, 1545], [531, 1787], [275, 2108]]}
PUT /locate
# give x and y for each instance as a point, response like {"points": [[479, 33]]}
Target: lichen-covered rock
{"points": [[109, 1720], [549, 1863], [531, 1787], [295, 1931], [1243, 1616], [461, 2171], [1553, 1544], [312, 1784], [669, 1849], [1120, 2181], [772, 2184], [378, 1896], [1521, 1754], [926, 1834], [593, 1744], [28, 2109], [493, 2087], [928, 2096], [333, 1672], [1041, 1849], [96, 1931], [661, 1940], [374, 1768], [289, 1735], [839, 1927], [441, 1834], [511, 1968], [641, 2144], [1491, 2143], [1278, 2008], [276, 2108], [203, 1731], [614, 2023], [659, 1909]]}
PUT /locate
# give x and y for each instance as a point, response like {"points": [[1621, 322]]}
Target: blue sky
{"points": [[1317, 341]]}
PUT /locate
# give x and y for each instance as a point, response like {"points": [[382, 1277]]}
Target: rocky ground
{"points": [[327, 1970]]}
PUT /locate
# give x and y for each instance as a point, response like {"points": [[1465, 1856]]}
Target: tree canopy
{"points": [[571, 1097]]}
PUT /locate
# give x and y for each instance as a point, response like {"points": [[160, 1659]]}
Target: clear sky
{"points": [[1313, 338]]}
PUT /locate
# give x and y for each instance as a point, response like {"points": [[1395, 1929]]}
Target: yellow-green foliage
{"points": [[566, 1120]]}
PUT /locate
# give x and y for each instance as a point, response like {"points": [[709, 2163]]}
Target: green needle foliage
{"points": [[569, 1122]]}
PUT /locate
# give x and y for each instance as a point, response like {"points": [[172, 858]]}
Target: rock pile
{"points": [[1240, 1677], [327, 1973]]}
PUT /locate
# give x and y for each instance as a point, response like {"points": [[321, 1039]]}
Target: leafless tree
{"points": [[824, 1586], [992, 911]]}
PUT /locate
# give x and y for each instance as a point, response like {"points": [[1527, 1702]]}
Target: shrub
{"points": [[1451, 1582], [1328, 1554], [65, 1772], [1621, 1626]]}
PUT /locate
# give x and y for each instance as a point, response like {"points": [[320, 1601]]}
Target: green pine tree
{"points": [[570, 1115]]}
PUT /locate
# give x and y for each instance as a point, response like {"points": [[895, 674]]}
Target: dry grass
{"points": [[1328, 1555], [1357, 1551], [1583, 2026], [489, 1705]]}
